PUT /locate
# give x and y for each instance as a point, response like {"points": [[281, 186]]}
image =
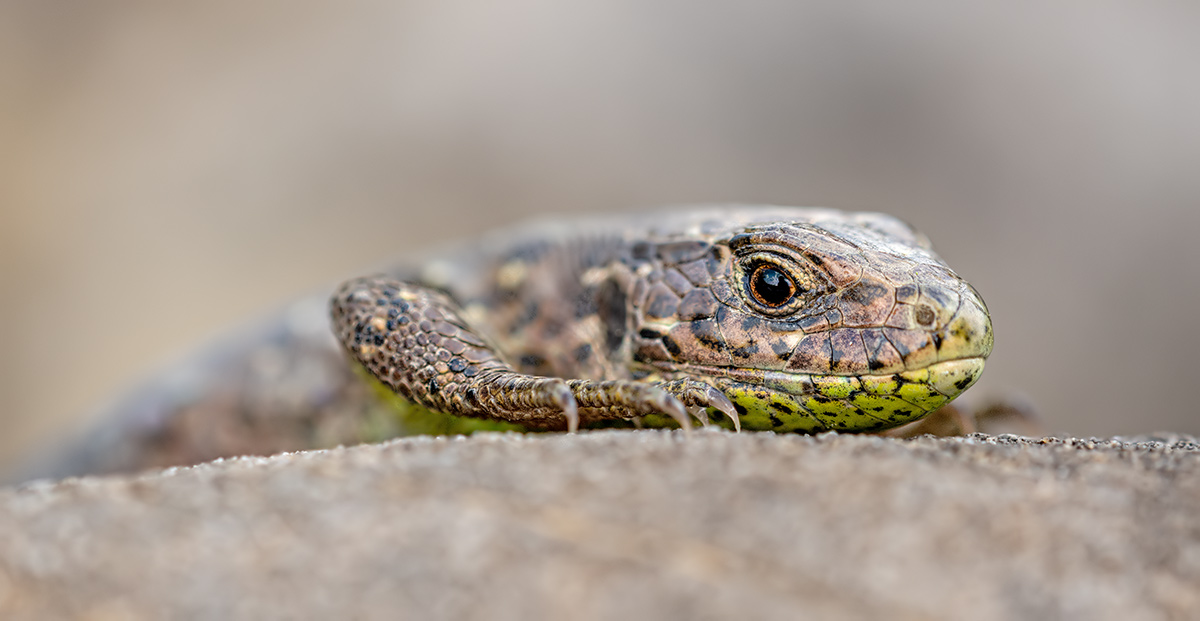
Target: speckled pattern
{"points": [[631, 524], [767, 318]]}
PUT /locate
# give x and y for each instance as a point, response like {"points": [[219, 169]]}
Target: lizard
{"points": [[755, 318]]}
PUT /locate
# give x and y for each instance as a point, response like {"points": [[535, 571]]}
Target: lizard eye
{"points": [[773, 287], [770, 286]]}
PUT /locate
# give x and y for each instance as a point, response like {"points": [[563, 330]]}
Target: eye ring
{"points": [[771, 286]]}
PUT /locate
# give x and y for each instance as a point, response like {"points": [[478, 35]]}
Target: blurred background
{"points": [[169, 170]]}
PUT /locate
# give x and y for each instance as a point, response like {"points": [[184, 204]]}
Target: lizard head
{"points": [[841, 321]]}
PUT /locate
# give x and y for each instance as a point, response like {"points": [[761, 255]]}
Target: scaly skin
{"points": [[665, 315], [545, 325]]}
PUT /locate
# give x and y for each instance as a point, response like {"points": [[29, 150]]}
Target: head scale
{"points": [[841, 321]]}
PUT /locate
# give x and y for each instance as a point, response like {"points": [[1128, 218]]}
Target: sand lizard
{"points": [[763, 318]]}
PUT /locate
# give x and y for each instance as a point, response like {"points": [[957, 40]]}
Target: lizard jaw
{"points": [[799, 402]]}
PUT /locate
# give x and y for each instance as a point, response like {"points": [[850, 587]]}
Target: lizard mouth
{"points": [[806, 403]]}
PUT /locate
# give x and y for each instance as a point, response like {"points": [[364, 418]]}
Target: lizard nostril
{"points": [[925, 315]]}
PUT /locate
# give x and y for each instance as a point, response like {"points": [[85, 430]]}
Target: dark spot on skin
{"points": [[879, 351], [745, 352], [378, 340], [740, 409], [648, 333], [782, 407], [457, 365], [401, 306], [905, 342], [391, 324], [903, 412], [470, 372], [775, 422], [925, 315], [552, 328], [583, 353], [834, 357], [707, 334], [393, 313], [864, 293], [812, 354], [906, 293], [433, 386], [937, 340], [532, 361], [585, 303], [404, 321], [381, 302], [809, 323], [611, 304], [962, 383], [672, 346], [472, 396]]}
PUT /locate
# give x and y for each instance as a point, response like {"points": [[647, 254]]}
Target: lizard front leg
{"points": [[414, 340]]}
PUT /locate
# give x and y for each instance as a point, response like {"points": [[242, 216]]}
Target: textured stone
{"points": [[622, 525]]}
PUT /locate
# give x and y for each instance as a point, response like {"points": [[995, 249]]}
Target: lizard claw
{"points": [[561, 394], [714, 398], [674, 408], [699, 395]]}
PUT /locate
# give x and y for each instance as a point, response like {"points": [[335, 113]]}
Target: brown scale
{"points": [[546, 323], [630, 323], [413, 338]]}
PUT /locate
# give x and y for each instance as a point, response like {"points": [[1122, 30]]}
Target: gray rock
{"points": [[618, 525]]}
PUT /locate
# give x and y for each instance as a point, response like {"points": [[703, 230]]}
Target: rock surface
{"points": [[619, 524]]}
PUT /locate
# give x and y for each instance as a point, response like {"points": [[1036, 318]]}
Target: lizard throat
{"points": [[808, 403]]}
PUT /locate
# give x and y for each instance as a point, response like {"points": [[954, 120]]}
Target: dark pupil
{"points": [[772, 287]]}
